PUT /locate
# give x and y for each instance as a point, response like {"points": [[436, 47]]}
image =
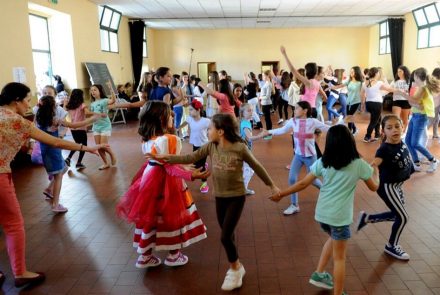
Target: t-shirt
{"points": [[311, 92], [198, 135], [396, 163], [102, 124], [227, 167], [78, 115], [266, 93], [159, 92], [303, 134], [335, 201], [403, 86], [14, 131], [252, 90], [354, 92], [427, 104], [373, 93], [245, 124], [60, 115], [224, 105]]}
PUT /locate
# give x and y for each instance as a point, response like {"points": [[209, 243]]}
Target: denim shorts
{"points": [[337, 233]]}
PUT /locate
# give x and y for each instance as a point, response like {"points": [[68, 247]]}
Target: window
{"points": [[41, 50], [384, 38], [428, 24], [109, 20], [144, 47]]}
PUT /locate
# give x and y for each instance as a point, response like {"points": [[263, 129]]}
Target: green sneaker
{"points": [[322, 280], [344, 293]]}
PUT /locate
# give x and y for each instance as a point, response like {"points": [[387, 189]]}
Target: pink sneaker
{"points": [[148, 261], [176, 260], [204, 188], [59, 209]]}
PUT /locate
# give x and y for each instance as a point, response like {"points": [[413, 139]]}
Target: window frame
{"points": [[428, 25], [386, 37], [48, 51], [108, 29], [144, 43]]}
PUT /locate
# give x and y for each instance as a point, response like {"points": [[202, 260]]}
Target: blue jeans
{"points": [[178, 111], [343, 103], [331, 112], [416, 128], [295, 167]]}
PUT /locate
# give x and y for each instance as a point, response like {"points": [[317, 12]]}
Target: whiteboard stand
{"points": [[121, 111]]}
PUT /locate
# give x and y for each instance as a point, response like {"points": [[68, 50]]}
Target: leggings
{"points": [[375, 110], [13, 226], [228, 214], [351, 110], [266, 112], [79, 136], [392, 195], [282, 106], [200, 163]]}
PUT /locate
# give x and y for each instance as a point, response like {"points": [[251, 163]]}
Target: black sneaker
{"points": [[80, 166], [396, 252], [362, 221], [67, 161], [367, 139]]}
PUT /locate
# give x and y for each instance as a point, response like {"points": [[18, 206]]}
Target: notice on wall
{"points": [[19, 74]]}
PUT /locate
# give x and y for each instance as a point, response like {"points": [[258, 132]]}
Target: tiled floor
{"points": [[88, 250]]}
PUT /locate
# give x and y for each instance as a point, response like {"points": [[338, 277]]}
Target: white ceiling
{"points": [[219, 14]]}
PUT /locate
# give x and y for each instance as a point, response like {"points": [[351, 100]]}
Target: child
{"points": [[395, 167], [102, 129], [198, 135], [158, 201], [246, 114], [227, 152], [77, 111], [303, 128], [341, 168], [49, 117]]}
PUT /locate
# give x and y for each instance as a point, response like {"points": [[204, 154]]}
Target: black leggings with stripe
{"points": [[392, 195]]}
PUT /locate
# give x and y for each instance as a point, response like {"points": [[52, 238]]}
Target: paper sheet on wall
{"points": [[19, 74]]}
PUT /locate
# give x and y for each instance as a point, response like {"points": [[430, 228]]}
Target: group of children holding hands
{"points": [[160, 205]]}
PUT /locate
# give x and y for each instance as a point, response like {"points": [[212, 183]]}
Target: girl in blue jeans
{"points": [[423, 107], [341, 168], [303, 127]]}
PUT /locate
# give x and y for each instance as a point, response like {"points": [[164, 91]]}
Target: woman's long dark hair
{"points": [[76, 99], [406, 74], [358, 74], [226, 89], [46, 111], [153, 119], [311, 70], [13, 92], [340, 148], [228, 123]]}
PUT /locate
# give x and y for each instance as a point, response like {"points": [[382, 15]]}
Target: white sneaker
{"points": [[233, 279], [340, 120], [417, 168], [250, 192], [432, 166], [292, 209], [280, 121]]}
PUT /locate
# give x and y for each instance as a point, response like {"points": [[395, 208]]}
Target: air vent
{"points": [[268, 9], [263, 21]]}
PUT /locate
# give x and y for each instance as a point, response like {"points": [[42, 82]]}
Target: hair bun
{"points": [[196, 104]]}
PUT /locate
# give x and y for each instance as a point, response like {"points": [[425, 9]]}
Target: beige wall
{"points": [[240, 50], [412, 57], [86, 41]]}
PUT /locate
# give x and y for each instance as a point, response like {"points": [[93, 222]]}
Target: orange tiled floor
{"points": [[88, 250]]}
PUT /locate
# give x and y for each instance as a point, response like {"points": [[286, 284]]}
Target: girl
{"points": [[294, 92], [341, 168], [371, 97], [246, 113], [224, 96], [212, 105], [354, 85], [303, 127], [436, 120], [394, 163], [423, 107], [401, 106], [78, 111], [284, 96], [158, 201], [162, 91], [179, 102], [251, 90], [311, 85], [237, 92], [198, 135], [319, 101], [102, 128], [14, 103], [145, 86], [337, 94], [265, 99], [227, 153], [49, 116]]}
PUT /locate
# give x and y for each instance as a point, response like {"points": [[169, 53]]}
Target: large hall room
{"points": [[198, 147]]}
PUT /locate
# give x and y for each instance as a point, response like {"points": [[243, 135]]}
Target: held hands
{"points": [[94, 149], [276, 194], [199, 174]]}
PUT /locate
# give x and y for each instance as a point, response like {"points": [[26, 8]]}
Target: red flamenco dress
{"points": [[159, 203]]}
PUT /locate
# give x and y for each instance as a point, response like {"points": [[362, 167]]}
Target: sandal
{"points": [[21, 282], [48, 195], [59, 209], [103, 167]]}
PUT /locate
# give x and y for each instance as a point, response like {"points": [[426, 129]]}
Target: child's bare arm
{"points": [[298, 186]]}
